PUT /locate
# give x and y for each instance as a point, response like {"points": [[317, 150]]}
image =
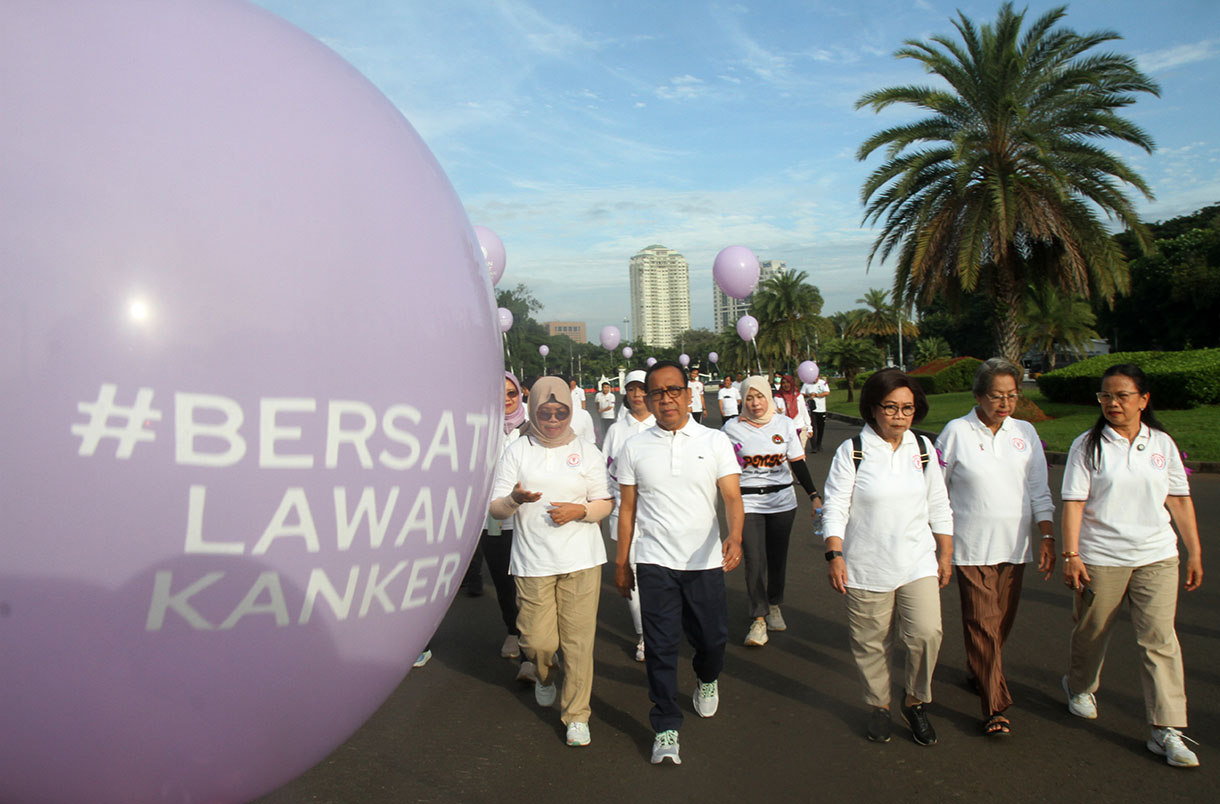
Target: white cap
{"points": [[635, 376]]}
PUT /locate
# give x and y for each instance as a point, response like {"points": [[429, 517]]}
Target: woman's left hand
{"points": [[564, 512], [944, 569], [1194, 573]]}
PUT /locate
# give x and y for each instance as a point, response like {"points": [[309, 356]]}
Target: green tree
{"points": [[788, 312], [1003, 184], [930, 349], [843, 321], [850, 356], [1050, 318]]}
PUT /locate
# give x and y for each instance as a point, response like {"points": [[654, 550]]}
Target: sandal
{"points": [[997, 726]]}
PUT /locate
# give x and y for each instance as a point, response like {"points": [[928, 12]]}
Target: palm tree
{"points": [[1050, 318], [1003, 184], [843, 321], [881, 317], [929, 349], [851, 356], [787, 310]]}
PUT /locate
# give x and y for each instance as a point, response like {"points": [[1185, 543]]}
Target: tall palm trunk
{"points": [[1007, 304]]}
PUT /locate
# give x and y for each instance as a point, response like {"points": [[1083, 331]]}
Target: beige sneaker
{"points": [[757, 637], [511, 648], [775, 620]]}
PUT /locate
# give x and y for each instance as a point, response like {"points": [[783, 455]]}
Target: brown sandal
{"points": [[997, 726]]}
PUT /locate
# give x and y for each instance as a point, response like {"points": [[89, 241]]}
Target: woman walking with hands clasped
{"points": [[1123, 484]]}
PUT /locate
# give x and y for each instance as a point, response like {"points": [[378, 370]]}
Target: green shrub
{"points": [[947, 376], [860, 380], [1175, 379]]}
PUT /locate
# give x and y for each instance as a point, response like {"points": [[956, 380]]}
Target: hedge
{"points": [[1175, 379], [841, 384], [947, 375]]}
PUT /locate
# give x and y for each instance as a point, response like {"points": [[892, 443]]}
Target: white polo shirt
{"points": [[675, 476], [619, 434], [818, 386], [496, 526], [998, 489], [574, 472], [730, 399], [886, 512], [605, 404], [582, 425], [1126, 523], [696, 396], [578, 397], [763, 453]]}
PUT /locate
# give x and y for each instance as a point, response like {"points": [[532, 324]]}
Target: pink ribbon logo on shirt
{"points": [[574, 459], [1158, 460], [1019, 444], [917, 461]]}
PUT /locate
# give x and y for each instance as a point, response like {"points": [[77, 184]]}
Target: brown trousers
{"points": [[990, 595]]}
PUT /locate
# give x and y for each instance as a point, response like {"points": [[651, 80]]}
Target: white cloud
{"points": [[682, 87], [1178, 55]]}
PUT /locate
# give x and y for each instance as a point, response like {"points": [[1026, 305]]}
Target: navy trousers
{"points": [[674, 602]]}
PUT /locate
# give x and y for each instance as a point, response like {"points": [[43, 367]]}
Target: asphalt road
{"points": [[791, 721]]}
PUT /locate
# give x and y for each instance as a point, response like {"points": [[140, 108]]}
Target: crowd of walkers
{"points": [[902, 516]]}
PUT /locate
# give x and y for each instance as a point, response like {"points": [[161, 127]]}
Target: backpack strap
{"points": [[857, 451], [924, 457]]}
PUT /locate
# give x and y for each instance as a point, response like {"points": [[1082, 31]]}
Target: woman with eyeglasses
{"points": [[995, 471], [554, 485], [1123, 486], [889, 540], [771, 454]]}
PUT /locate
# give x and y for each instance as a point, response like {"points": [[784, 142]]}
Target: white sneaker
{"points": [[423, 659], [578, 734], [1083, 705], [511, 648], [757, 637], [1168, 743], [706, 698], [544, 694], [775, 620], [527, 672], [664, 747], [639, 649]]}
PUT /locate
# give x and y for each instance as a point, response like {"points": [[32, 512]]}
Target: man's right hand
{"points": [[624, 579]]}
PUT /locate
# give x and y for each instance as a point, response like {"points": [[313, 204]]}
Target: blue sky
{"points": [[582, 132]]}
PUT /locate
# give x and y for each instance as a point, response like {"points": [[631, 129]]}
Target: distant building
{"points": [[573, 329], [726, 310], [660, 296]]}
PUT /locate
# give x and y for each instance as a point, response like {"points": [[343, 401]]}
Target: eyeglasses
{"points": [[672, 391], [892, 410], [1105, 397], [552, 415], [512, 394], [998, 398]]}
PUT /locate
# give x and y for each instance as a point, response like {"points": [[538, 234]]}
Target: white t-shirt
{"points": [[696, 396], [675, 475], [998, 489], [578, 398], [818, 386], [582, 425], [886, 512], [618, 435], [605, 404], [730, 401], [574, 472], [763, 453], [1125, 522], [496, 526]]}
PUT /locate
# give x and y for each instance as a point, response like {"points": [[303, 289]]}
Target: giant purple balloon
{"points": [[747, 327], [628, 352], [807, 371], [610, 337], [736, 271], [493, 252], [233, 507], [544, 350], [505, 317]]}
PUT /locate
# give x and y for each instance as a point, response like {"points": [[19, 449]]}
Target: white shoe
{"points": [[578, 734], [664, 747], [1168, 743], [706, 698], [423, 659], [1082, 705], [511, 648], [775, 620], [639, 649], [544, 694], [757, 637], [527, 672]]}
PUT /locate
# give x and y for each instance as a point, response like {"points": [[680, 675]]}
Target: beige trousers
{"points": [[869, 619], [1153, 594], [560, 611]]}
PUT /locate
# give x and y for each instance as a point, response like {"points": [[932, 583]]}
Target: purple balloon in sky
{"points": [[544, 350], [505, 316], [627, 352], [610, 337], [652, 361], [684, 360], [493, 252], [807, 371], [736, 271], [712, 357], [233, 506], [747, 327]]}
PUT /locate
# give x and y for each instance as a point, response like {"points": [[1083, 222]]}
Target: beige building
{"points": [[573, 329], [726, 310], [660, 296]]}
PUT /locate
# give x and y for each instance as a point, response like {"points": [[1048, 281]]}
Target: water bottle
{"points": [[819, 532]]}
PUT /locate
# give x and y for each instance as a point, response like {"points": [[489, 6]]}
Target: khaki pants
{"points": [[1153, 594], [869, 617], [560, 611]]}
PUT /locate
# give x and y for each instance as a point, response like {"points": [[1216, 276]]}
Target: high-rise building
{"points": [[573, 329], [660, 296], [726, 310]]}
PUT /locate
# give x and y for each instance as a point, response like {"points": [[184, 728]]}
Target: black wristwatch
{"points": [[831, 555]]}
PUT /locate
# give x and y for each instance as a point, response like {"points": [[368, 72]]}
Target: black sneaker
{"points": [[921, 728], [879, 726]]}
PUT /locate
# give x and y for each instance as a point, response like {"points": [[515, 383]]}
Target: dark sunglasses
{"points": [[552, 415]]}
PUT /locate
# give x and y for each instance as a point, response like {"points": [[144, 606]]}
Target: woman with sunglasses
{"points": [[995, 471], [770, 453], [554, 485], [1123, 486], [889, 540]]}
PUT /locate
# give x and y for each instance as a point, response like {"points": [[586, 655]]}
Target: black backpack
{"points": [[857, 451]]}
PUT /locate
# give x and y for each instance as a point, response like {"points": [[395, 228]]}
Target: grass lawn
{"points": [[1197, 431]]}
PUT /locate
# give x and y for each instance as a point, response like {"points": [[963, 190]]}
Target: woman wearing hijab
{"points": [[794, 408], [770, 454], [554, 485]]}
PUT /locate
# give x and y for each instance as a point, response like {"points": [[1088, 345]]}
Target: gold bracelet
{"points": [[1070, 554]]}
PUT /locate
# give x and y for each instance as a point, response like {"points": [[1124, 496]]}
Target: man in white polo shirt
{"points": [[668, 478], [605, 409], [815, 394]]}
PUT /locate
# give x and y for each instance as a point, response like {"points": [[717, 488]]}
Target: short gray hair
{"points": [[992, 368]]}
